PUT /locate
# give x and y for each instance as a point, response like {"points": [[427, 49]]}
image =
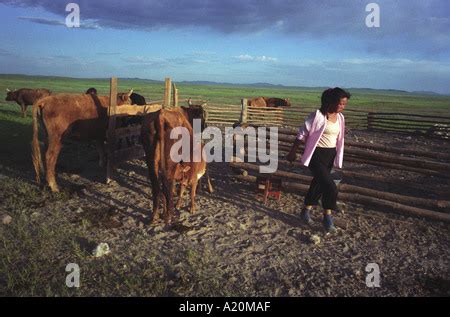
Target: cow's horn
{"points": [[130, 92], [190, 101], [8, 90]]}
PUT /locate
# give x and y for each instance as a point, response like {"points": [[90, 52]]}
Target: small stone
{"points": [[35, 214], [6, 219], [101, 250], [315, 239], [79, 210], [141, 225]]}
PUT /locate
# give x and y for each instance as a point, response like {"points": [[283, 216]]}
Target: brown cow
{"points": [[277, 102], [26, 97], [262, 102], [82, 117], [155, 134], [259, 102], [189, 174]]}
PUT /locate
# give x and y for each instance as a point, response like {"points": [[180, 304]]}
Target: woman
{"points": [[323, 134]]}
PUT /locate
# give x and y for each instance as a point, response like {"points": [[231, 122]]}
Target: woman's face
{"points": [[342, 104]]}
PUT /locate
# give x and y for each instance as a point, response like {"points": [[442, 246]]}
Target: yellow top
{"points": [[329, 136]]}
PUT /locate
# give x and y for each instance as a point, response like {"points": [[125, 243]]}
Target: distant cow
{"points": [[277, 102], [26, 97], [135, 99], [262, 102], [82, 117]]}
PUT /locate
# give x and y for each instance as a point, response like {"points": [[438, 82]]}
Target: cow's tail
{"points": [[35, 146]]}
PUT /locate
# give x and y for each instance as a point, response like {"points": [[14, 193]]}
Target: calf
{"points": [[26, 97], [189, 174]]}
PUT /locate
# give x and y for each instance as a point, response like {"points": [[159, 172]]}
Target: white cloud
{"points": [[250, 58]]}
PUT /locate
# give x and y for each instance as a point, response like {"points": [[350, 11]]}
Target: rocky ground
{"points": [[233, 245]]}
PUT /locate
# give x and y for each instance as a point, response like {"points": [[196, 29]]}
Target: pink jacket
{"points": [[311, 132]]}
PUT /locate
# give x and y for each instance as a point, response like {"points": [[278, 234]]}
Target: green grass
{"points": [[305, 98], [42, 239]]}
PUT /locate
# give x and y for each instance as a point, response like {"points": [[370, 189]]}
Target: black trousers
{"points": [[322, 184]]}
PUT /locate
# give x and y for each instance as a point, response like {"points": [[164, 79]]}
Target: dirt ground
{"points": [[233, 245]]}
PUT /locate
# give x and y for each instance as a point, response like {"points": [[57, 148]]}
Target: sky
{"points": [[290, 42]]}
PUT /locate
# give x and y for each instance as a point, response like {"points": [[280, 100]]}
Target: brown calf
{"points": [[189, 174]]}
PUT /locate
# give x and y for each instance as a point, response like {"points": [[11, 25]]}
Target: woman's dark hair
{"points": [[331, 99]]}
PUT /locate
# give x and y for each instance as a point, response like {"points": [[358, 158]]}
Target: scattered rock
{"points": [[6, 219], [315, 239], [101, 250], [79, 210]]}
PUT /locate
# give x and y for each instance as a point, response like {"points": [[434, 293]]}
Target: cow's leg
{"points": [[193, 194], [210, 186], [156, 192], [23, 108], [167, 190], [51, 156], [100, 145], [180, 199]]}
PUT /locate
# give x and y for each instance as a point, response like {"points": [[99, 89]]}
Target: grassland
{"points": [[305, 98]]}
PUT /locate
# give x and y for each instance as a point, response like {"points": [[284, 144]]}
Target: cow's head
{"points": [[182, 173], [287, 102], [91, 91], [196, 112], [124, 98], [10, 95]]}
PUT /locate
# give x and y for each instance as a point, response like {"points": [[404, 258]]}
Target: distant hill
{"points": [[252, 85]]}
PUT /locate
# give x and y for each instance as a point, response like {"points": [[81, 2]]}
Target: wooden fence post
{"points": [[111, 136], [175, 95], [244, 111], [167, 93]]}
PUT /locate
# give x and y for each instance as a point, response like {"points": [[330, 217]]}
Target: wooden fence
{"points": [[289, 119], [433, 126], [122, 135]]}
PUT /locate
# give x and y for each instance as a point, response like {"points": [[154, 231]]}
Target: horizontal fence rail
{"points": [[294, 117]]}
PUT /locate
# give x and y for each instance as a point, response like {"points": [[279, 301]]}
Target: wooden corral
{"points": [[288, 121]]}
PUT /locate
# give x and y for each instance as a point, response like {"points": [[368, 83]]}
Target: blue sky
{"points": [[291, 42]]}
